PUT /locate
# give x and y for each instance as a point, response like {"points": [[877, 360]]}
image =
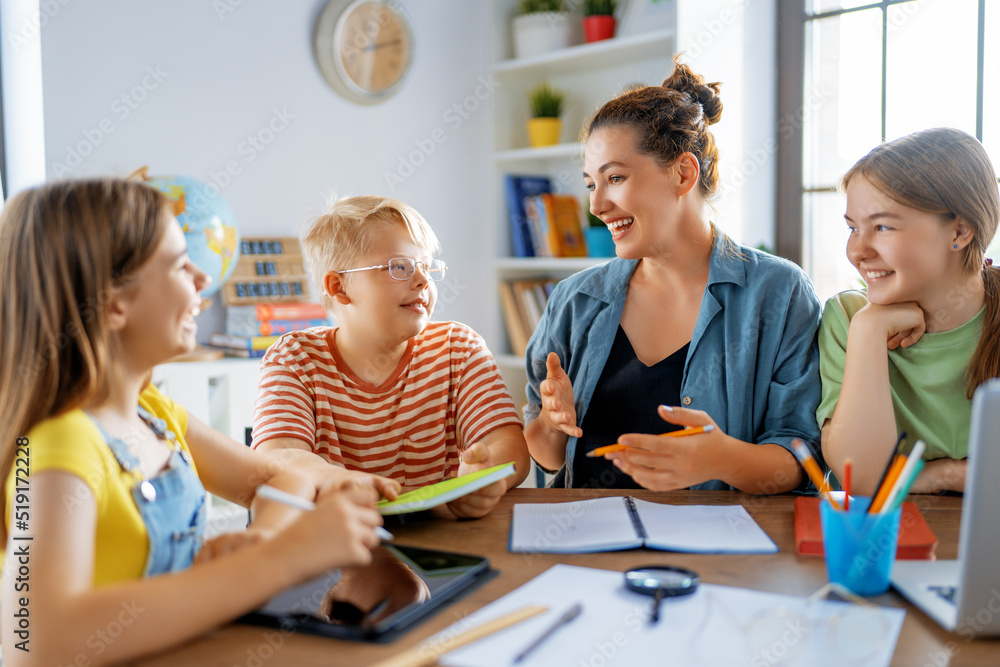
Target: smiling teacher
{"points": [[684, 328]]}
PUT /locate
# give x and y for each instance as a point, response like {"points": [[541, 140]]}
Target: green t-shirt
{"points": [[928, 379]]}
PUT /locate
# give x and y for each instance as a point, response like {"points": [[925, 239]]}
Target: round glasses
{"points": [[403, 268]]}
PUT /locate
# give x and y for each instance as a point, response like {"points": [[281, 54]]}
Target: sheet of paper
{"points": [[702, 528], [582, 526], [717, 625]]}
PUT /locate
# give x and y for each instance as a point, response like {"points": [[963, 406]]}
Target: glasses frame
{"points": [[435, 274]]}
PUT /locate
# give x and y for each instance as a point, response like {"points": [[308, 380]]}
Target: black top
{"points": [[625, 401]]}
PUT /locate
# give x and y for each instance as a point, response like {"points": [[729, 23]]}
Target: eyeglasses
{"points": [[402, 268]]}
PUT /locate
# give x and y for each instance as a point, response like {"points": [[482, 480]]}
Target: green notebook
{"points": [[433, 495]]}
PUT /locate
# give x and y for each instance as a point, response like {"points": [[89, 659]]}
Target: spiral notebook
{"points": [[622, 522]]}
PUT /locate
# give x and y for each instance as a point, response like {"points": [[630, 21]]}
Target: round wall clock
{"points": [[364, 48]]}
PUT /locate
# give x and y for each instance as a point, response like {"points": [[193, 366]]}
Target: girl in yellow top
{"points": [[97, 289]]}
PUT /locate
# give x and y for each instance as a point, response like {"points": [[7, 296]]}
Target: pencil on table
{"points": [[690, 430], [848, 465]]}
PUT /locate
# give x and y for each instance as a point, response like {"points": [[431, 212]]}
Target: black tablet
{"points": [[401, 586]]}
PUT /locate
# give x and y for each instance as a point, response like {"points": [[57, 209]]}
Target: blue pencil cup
{"points": [[859, 548]]}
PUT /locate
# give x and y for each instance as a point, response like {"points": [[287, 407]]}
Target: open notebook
{"points": [[621, 522]]}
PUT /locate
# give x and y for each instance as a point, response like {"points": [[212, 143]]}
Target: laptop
{"points": [[964, 595]]}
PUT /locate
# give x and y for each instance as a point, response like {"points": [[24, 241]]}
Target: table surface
{"points": [[921, 642]]}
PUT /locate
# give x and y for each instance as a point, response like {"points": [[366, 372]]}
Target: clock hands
{"points": [[379, 45]]}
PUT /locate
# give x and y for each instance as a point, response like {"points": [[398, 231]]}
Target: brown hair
{"points": [[669, 120], [347, 232], [947, 172], [64, 249]]}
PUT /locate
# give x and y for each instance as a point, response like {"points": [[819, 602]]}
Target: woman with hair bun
{"points": [[683, 329], [908, 352]]}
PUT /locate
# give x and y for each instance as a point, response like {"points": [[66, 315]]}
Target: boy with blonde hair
{"points": [[387, 391]]}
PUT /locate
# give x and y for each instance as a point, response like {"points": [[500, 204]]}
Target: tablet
{"points": [[375, 603]]}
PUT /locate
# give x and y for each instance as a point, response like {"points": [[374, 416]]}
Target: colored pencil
{"points": [[805, 457], [690, 430]]}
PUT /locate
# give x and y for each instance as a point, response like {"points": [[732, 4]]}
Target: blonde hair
{"points": [[337, 239], [65, 248], [948, 173]]}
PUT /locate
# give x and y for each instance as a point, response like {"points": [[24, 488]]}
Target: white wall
{"points": [[197, 82]]}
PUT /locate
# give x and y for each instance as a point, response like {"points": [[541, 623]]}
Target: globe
{"points": [[208, 223]]}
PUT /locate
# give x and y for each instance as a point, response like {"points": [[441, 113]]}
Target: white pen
{"points": [[271, 493]]}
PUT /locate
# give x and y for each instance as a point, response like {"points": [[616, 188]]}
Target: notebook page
{"points": [[583, 526], [702, 528]]}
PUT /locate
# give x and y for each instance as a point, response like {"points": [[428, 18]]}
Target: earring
{"points": [[955, 246]]}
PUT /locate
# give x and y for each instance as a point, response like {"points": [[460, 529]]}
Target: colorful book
{"points": [[242, 342], [278, 311], [433, 495], [517, 188], [253, 327], [517, 330], [556, 225], [916, 539]]}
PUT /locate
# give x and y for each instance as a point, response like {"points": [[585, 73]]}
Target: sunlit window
{"points": [[880, 70]]}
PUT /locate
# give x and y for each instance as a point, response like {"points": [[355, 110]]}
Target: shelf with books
{"points": [[588, 75]]}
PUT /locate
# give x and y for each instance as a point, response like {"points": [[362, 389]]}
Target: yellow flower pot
{"points": [[544, 131]]}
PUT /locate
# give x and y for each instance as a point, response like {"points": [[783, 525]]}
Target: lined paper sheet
{"points": [[582, 526], [702, 528]]}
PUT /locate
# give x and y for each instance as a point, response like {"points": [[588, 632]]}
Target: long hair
{"points": [[64, 250], [948, 173], [670, 119]]}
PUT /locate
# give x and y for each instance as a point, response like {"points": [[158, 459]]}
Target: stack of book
{"points": [[523, 302], [556, 225], [252, 328], [543, 224]]}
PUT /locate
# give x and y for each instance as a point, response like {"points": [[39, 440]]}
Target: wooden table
{"points": [[921, 642]]}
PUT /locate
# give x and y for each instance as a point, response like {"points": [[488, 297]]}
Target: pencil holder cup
{"points": [[860, 548]]}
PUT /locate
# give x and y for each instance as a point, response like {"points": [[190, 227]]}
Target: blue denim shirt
{"points": [[753, 362]]}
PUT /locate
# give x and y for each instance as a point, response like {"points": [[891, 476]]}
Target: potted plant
{"points": [[545, 126], [598, 19], [599, 241], [540, 26]]}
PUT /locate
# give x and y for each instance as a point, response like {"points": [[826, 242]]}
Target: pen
{"points": [[567, 616], [904, 478], [690, 430], [848, 465], [809, 464], [277, 495]]}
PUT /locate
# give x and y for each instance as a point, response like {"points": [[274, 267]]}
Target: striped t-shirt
{"points": [[445, 394]]}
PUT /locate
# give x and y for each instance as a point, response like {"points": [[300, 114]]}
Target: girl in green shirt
{"points": [[908, 353]]}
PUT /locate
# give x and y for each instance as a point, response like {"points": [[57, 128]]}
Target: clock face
{"points": [[364, 49]]}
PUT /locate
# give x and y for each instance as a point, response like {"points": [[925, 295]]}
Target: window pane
{"points": [[991, 85], [820, 6], [843, 93], [825, 242], [931, 66]]}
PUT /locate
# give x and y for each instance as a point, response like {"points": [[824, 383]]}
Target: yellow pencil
{"points": [[809, 464], [690, 430]]}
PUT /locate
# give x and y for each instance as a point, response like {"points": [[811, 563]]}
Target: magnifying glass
{"points": [[661, 581]]}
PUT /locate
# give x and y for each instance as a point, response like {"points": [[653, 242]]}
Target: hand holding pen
{"points": [[677, 459]]}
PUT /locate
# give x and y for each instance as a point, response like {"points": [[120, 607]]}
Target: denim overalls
{"points": [[171, 504]]}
